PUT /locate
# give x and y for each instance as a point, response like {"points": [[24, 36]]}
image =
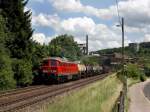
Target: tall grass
{"points": [[97, 97]]}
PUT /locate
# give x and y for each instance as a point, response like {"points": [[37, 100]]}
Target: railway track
{"points": [[20, 90], [26, 98]]}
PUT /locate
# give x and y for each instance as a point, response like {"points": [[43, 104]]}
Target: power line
{"points": [[118, 12]]}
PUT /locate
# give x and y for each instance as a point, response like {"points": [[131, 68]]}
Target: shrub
{"points": [[147, 70], [142, 77], [132, 71], [23, 72], [6, 74]]}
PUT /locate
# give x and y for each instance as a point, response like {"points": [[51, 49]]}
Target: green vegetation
{"points": [[93, 98], [65, 46], [15, 44], [18, 23], [92, 60], [23, 72], [6, 74], [147, 70], [132, 71]]}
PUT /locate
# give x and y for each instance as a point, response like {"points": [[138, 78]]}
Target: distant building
{"points": [[94, 53], [82, 48], [134, 46], [116, 57], [145, 44]]}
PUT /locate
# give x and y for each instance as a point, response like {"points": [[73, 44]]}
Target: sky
{"points": [[96, 18]]}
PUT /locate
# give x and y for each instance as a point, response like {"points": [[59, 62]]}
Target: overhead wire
{"points": [[118, 13]]}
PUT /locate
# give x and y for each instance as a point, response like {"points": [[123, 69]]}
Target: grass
{"points": [[97, 97], [132, 81]]}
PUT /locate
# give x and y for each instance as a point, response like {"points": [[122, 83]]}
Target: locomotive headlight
{"points": [[53, 70], [45, 71]]}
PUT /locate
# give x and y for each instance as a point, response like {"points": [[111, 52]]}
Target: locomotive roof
{"points": [[59, 59]]}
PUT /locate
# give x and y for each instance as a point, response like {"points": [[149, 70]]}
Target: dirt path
{"points": [[138, 103]]}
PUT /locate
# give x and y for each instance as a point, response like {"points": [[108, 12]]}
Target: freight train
{"points": [[55, 69]]}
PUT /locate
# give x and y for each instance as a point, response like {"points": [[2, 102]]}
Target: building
{"points": [[116, 57], [145, 44], [82, 48], [134, 46], [94, 53]]}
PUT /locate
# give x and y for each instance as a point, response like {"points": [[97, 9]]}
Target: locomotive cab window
{"points": [[53, 63]]}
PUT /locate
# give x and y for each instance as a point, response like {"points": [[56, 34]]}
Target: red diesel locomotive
{"points": [[57, 69]]}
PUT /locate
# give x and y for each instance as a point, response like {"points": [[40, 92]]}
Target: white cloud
{"points": [[41, 38], [135, 12], [45, 20], [77, 6], [147, 38], [100, 35]]}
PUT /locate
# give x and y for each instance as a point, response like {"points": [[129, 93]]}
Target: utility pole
{"points": [[122, 27], [87, 43], [123, 71]]}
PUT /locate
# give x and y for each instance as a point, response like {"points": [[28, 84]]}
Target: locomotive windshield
{"points": [[53, 63]]}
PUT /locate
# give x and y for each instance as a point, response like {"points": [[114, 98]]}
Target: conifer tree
{"points": [[19, 41], [19, 24]]}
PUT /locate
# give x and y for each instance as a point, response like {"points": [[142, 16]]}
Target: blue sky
{"points": [[97, 18]]}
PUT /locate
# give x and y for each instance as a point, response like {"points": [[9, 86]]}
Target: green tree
{"points": [[6, 74], [147, 69], [65, 46], [133, 71], [91, 60], [19, 39], [39, 52], [23, 72]]}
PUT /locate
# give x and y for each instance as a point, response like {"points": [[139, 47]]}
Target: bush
{"points": [[147, 70], [23, 72], [132, 71], [6, 74], [142, 77]]}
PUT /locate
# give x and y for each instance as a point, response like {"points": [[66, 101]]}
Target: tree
{"points": [[23, 72], [19, 40], [39, 52], [91, 60], [65, 46], [147, 69], [133, 71], [6, 74]]}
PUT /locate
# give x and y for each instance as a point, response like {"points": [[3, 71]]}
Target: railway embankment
{"points": [[97, 97]]}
